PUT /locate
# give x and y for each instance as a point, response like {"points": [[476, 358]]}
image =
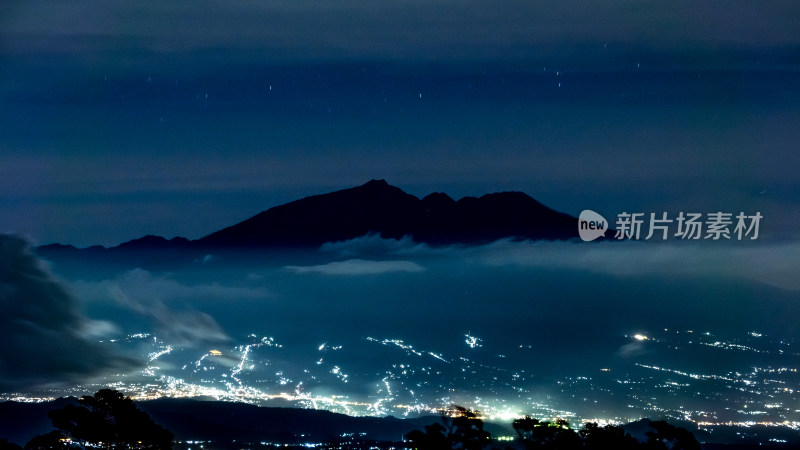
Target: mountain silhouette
{"points": [[221, 421], [375, 207]]}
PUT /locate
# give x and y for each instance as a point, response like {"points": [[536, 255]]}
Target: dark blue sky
{"points": [[121, 119]]}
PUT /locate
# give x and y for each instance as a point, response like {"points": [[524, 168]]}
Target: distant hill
{"points": [[210, 420], [376, 207], [225, 421], [219, 421]]}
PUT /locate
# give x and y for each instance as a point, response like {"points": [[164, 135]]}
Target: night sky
{"points": [[120, 119]]}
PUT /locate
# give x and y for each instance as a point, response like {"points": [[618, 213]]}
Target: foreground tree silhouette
{"points": [[670, 437], [107, 419], [5, 445], [460, 429], [433, 438], [557, 435], [52, 440], [546, 435], [607, 437]]}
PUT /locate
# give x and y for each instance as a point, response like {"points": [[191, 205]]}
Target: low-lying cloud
{"points": [[371, 244], [773, 264], [770, 263], [153, 297], [359, 267], [48, 340]]}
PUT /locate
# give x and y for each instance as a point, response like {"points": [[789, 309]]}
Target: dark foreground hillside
{"points": [[223, 425]]}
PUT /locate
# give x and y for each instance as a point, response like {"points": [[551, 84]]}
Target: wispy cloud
{"points": [[359, 267], [155, 296], [770, 263], [372, 244], [394, 28]]}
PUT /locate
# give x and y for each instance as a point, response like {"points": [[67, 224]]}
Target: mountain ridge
{"points": [[380, 208]]}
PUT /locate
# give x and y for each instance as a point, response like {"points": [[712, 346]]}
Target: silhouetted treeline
{"points": [[463, 429], [110, 420], [460, 428], [107, 420]]}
